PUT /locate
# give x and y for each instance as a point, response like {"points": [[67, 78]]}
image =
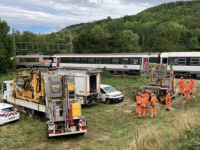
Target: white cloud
{"points": [[56, 14]]}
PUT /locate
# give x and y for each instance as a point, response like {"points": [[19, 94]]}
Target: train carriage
{"points": [[119, 62], [185, 63], [29, 61]]}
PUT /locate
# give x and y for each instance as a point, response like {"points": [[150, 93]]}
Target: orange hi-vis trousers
{"points": [[168, 105], [138, 108], [153, 111], [181, 89], [191, 88], [187, 94], [142, 110]]}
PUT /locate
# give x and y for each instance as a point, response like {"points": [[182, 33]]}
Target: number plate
{"points": [[11, 118]]}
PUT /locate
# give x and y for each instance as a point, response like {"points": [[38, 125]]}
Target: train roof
{"points": [[26, 56], [108, 55], [184, 54], [165, 54]]}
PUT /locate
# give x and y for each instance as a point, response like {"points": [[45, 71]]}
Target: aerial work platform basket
{"points": [[159, 79]]}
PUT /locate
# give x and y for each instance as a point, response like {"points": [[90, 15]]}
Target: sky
{"points": [[46, 16]]}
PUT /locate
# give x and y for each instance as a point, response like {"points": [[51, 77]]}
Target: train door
{"points": [[145, 62], [58, 62], [164, 60]]}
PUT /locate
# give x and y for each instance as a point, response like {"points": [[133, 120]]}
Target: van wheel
{"points": [[108, 101], [47, 131]]}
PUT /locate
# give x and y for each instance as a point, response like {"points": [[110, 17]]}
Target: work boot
{"points": [[179, 94]]}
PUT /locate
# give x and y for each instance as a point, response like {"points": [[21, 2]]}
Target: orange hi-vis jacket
{"points": [[187, 87], [192, 83], [138, 98], [146, 95], [144, 102], [154, 100], [181, 83], [168, 98]]}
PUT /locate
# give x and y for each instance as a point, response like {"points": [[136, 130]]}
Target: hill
{"points": [[171, 26]]}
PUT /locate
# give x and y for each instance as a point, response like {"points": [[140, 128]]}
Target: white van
{"points": [[8, 113], [109, 94]]}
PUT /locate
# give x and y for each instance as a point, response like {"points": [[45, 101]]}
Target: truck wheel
{"points": [[31, 113]]}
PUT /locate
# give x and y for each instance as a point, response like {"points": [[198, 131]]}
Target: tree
{"points": [[6, 47], [130, 41]]}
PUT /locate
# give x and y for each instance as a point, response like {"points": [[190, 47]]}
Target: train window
{"points": [[134, 61], [29, 59], [153, 60], [173, 61], [115, 60], [98, 60], [48, 58], [181, 61], [194, 61], [84, 60], [91, 60], [76, 60], [64, 60], [124, 61], [106, 61], [70, 60]]}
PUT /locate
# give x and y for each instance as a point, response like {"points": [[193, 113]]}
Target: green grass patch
{"points": [[190, 139]]}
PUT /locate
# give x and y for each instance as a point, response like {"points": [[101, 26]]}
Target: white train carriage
{"points": [[30, 61], [184, 63], [119, 62]]}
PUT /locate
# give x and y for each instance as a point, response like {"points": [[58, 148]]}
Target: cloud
{"points": [[150, 2], [57, 14]]}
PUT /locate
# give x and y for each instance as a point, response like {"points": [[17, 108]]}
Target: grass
{"points": [[112, 126]]}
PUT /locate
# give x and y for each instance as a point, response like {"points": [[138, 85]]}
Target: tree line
{"points": [[168, 27]]}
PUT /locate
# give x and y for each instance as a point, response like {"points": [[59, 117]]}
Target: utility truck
{"points": [[86, 83], [44, 91]]}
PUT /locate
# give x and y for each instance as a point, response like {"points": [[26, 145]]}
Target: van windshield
{"points": [[109, 89]]}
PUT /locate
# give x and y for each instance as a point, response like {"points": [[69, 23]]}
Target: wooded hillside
{"points": [[168, 27], [172, 26]]}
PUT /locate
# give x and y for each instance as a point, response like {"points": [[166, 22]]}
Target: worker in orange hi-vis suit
{"points": [[187, 90], [146, 94], [154, 100], [143, 105], [181, 86], [191, 86], [168, 101], [138, 98]]}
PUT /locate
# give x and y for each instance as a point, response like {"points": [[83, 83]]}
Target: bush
{"points": [[105, 74], [190, 139]]}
